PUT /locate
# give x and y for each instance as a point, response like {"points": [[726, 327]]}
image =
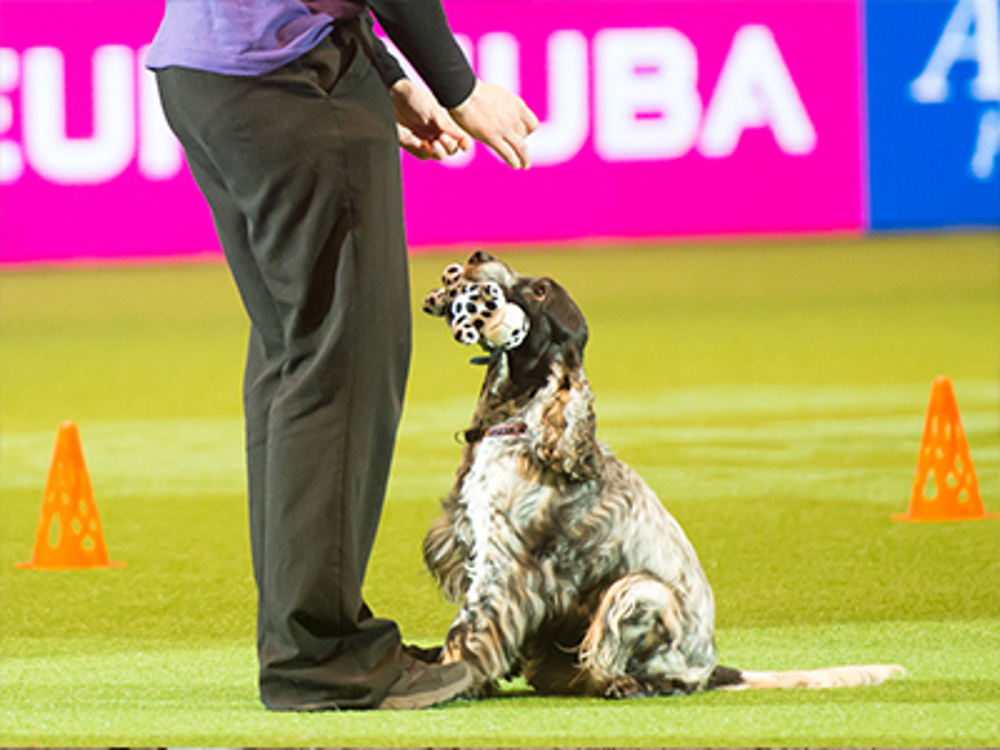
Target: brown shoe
{"points": [[424, 685], [427, 655]]}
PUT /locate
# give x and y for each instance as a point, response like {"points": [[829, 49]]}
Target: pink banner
{"points": [[88, 168], [659, 119]]}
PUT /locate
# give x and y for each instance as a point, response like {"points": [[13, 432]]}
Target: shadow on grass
{"points": [[896, 691], [899, 690]]}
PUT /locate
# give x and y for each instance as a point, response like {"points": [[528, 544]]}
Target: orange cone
{"points": [[69, 534], [945, 488]]}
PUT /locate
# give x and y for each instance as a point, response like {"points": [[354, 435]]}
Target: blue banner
{"points": [[933, 112]]}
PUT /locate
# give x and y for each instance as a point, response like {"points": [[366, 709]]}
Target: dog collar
{"points": [[505, 430], [498, 430]]}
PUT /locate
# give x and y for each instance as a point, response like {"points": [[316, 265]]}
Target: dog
{"points": [[566, 566]]}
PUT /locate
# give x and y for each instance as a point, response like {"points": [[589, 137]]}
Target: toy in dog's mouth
{"points": [[477, 311]]}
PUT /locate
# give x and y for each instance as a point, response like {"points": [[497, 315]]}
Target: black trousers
{"points": [[301, 169]]}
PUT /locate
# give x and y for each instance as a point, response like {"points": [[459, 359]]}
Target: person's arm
{"points": [[421, 32], [388, 67]]}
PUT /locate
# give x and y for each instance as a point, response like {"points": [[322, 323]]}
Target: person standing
{"points": [[291, 114]]}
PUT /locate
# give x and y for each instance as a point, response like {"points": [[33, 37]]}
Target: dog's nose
{"points": [[479, 257]]}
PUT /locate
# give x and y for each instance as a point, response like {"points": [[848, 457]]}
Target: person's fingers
{"points": [[512, 147], [415, 146], [508, 147], [466, 141], [520, 149], [447, 143], [439, 148], [406, 137], [448, 130], [506, 151], [421, 152], [439, 151], [530, 120]]}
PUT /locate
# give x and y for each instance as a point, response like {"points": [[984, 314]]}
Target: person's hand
{"points": [[425, 128], [499, 119]]}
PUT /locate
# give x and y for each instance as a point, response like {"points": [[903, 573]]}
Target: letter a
{"points": [[971, 33], [755, 90]]}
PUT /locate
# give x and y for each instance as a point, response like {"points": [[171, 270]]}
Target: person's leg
{"points": [[307, 158], [263, 372]]}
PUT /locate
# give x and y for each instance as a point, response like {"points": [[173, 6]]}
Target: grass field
{"points": [[773, 394]]}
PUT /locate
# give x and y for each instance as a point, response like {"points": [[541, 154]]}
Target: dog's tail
{"points": [[727, 678]]}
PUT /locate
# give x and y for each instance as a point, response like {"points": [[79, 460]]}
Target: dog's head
{"points": [[478, 298], [557, 331], [541, 362]]}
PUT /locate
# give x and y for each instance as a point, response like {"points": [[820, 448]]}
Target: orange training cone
{"points": [[69, 534], [945, 488]]}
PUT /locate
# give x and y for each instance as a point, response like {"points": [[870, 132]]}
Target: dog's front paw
{"points": [[488, 689], [623, 687]]}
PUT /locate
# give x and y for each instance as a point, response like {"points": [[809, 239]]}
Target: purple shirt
{"points": [[243, 37]]}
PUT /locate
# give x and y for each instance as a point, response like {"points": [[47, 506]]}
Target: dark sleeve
{"points": [[421, 32], [387, 65]]}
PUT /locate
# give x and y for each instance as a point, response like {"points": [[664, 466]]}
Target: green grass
{"points": [[772, 393]]}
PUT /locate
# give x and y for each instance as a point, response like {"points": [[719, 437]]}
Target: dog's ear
{"points": [[557, 331], [567, 441]]}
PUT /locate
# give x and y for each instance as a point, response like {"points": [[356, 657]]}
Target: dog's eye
{"points": [[540, 290]]}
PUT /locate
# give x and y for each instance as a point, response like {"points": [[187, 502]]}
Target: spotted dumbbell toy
{"points": [[477, 311], [437, 302]]}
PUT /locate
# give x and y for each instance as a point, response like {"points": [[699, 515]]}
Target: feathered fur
{"points": [[565, 563]]}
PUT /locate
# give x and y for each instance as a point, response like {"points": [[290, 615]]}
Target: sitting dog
{"points": [[565, 564]]}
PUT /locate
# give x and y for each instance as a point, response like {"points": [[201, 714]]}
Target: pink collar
{"points": [[474, 435], [505, 430]]}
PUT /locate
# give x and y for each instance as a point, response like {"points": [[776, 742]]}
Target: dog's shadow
{"points": [[944, 692]]}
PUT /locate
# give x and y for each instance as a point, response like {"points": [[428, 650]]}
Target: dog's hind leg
{"points": [[551, 656], [636, 644]]}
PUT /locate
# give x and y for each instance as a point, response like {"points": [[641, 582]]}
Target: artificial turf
{"points": [[772, 393]]}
